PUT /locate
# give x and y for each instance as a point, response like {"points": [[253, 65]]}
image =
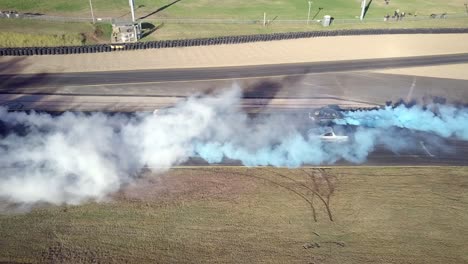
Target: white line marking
{"points": [[425, 149], [410, 93]]}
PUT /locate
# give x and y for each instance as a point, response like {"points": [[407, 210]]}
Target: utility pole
{"points": [[132, 7], [264, 18], [363, 6], [308, 14], [92, 12], [466, 8]]}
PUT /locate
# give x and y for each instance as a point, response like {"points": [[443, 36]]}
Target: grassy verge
{"points": [[182, 31], [242, 215], [38, 40], [23, 33]]}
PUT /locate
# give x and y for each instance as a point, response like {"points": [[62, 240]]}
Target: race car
{"points": [[327, 136], [332, 137]]}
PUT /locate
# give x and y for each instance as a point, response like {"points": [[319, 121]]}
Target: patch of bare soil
{"points": [[94, 37], [187, 184]]}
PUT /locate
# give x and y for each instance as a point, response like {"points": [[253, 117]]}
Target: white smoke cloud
{"points": [[75, 157]]}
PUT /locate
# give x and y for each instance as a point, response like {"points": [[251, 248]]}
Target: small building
{"points": [[125, 32]]}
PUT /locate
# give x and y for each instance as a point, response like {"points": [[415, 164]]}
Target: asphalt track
{"points": [[190, 74], [345, 82]]}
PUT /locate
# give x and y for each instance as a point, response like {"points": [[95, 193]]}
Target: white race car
{"points": [[331, 137], [328, 136]]}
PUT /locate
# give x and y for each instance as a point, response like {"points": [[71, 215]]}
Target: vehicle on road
{"points": [[327, 135], [332, 137]]}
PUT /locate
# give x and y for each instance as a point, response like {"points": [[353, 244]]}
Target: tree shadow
{"points": [[316, 14], [367, 8], [129, 12], [148, 28], [159, 9], [271, 21]]}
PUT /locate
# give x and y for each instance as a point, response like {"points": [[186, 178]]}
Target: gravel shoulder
{"points": [[285, 51]]}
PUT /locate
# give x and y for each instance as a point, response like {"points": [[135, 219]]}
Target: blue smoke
{"points": [[443, 120], [294, 150]]}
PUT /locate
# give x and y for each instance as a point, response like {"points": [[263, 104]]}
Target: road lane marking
{"points": [[426, 150], [410, 93]]}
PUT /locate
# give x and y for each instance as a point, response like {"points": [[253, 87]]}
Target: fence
{"points": [[216, 41]]}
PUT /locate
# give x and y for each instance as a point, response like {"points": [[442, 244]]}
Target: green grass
{"points": [[20, 33], [183, 31], [24, 33], [32, 40], [103, 31], [284, 9], [37, 31], [43, 27], [242, 215]]}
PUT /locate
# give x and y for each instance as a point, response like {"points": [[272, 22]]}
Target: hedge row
{"points": [[216, 41]]}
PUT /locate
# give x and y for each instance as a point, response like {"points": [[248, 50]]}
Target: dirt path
{"points": [[285, 51]]}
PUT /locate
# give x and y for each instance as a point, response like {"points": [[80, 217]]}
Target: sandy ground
{"points": [[286, 51], [452, 71]]}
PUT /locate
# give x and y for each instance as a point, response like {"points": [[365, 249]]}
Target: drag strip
{"points": [[454, 154], [192, 74]]}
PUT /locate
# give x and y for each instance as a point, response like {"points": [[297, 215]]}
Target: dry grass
{"points": [[28, 33], [251, 215], [36, 40]]}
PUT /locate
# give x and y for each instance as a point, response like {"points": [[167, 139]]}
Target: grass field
{"points": [[251, 215], [35, 33], [284, 9], [183, 31], [24, 33]]}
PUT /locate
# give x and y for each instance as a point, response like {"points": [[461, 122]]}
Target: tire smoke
{"points": [[75, 157], [443, 120]]}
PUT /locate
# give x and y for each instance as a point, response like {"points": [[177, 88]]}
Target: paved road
{"points": [[190, 74], [279, 87], [348, 89], [451, 153], [311, 85]]}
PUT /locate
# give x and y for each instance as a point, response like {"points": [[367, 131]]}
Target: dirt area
{"points": [[256, 215], [285, 51], [186, 184], [453, 71]]}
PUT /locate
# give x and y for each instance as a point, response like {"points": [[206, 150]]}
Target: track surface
{"points": [[100, 78], [278, 86]]}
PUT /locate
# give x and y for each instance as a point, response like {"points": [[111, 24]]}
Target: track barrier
{"points": [[30, 51]]}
